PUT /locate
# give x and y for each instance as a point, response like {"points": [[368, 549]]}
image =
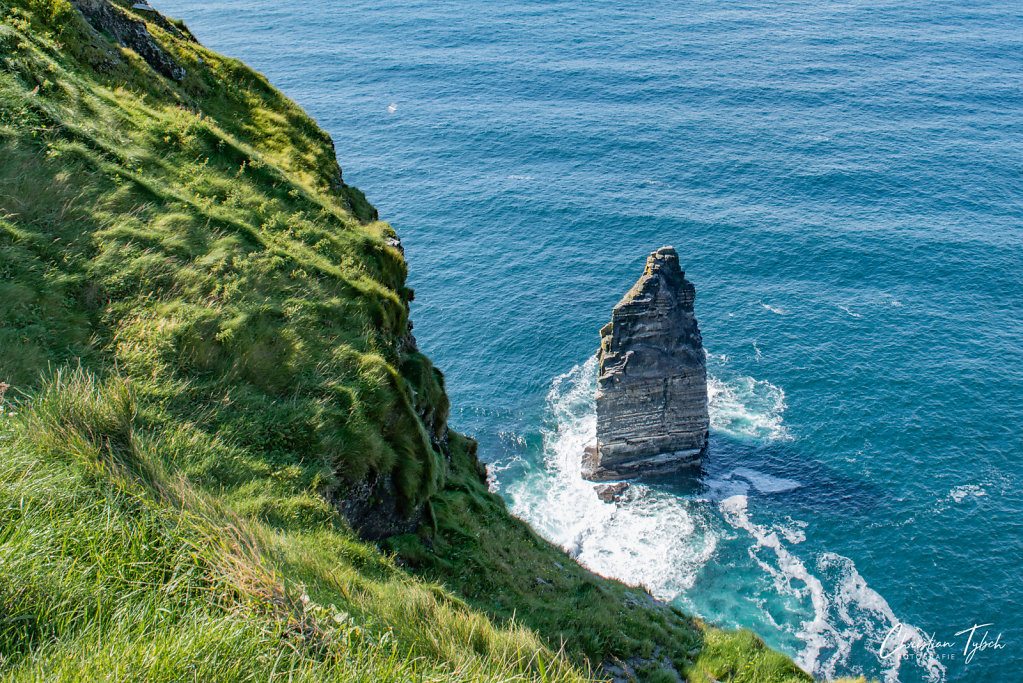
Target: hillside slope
{"points": [[212, 401]]}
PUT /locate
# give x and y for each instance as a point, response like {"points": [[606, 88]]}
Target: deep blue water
{"points": [[843, 183]]}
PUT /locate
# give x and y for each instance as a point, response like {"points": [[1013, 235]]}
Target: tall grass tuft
{"points": [[114, 566]]}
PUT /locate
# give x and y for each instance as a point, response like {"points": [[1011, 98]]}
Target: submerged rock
{"points": [[652, 393]]}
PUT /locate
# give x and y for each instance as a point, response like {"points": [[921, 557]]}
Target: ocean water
{"points": [[843, 183]]}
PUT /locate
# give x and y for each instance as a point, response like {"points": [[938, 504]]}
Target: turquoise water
{"points": [[843, 183]]}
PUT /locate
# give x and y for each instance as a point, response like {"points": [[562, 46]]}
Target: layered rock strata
{"points": [[652, 393]]}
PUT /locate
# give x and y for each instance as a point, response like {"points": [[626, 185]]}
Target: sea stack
{"points": [[652, 392]]}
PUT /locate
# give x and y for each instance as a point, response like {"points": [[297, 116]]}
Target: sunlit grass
{"points": [[114, 566]]}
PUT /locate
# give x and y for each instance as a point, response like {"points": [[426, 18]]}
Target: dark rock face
{"points": [[373, 508], [132, 33], [652, 396]]}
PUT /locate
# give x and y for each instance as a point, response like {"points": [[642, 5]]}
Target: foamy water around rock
{"points": [[663, 541]]}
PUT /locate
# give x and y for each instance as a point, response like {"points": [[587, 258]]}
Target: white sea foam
{"points": [[850, 312], [496, 470], [846, 613], [765, 483], [960, 493], [650, 537], [737, 482], [793, 531], [773, 309], [719, 489], [869, 616], [746, 407]]}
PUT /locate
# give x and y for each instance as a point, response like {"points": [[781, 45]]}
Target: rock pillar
{"points": [[652, 394]]}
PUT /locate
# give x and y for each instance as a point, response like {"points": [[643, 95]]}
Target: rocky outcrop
{"points": [[130, 32], [374, 509], [652, 395], [611, 492]]}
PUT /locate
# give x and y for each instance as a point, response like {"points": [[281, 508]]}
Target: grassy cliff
{"points": [[210, 400]]}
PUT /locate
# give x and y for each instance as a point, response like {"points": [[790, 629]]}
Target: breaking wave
{"points": [[650, 537], [848, 617], [661, 541]]}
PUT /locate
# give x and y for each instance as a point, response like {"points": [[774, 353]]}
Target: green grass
{"points": [[139, 230], [115, 567], [204, 333]]}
